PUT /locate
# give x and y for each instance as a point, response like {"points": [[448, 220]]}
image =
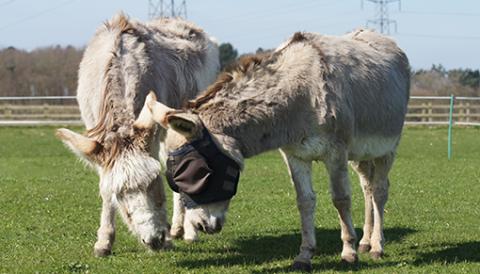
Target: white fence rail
{"points": [[441, 110], [63, 110], [39, 110]]}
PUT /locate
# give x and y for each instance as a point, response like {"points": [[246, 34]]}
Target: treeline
{"points": [[438, 81], [52, 71]]}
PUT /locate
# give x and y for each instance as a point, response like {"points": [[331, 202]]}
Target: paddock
{"points": [[50, 206]]}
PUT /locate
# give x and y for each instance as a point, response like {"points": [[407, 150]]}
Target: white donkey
{"points": [[316, 98], [124, 60]]}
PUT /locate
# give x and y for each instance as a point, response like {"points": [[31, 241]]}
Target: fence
{"points": [[39, 110], [441, 110], [63, 110]]}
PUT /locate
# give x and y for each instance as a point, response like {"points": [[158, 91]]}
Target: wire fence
{"points": [[63, 110]]}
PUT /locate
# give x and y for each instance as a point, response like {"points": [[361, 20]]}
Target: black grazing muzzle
{"points": [[201, 173]]}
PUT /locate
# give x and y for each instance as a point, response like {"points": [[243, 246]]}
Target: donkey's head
{"points": [[129, 175], [202, 166]]}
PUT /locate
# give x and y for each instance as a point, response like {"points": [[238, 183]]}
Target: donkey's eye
{"points": [[183, 127]]}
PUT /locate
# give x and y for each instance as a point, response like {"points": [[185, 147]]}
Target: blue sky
{"points": [[430, 31]]}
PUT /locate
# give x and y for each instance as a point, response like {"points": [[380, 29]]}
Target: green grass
{"points": [[49, 212]]}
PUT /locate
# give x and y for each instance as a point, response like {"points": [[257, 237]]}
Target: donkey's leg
{"points": [[380, 195], [365, 171], [301, 175], [337, 167], [178, 217], [106, 232], [181, 226]]}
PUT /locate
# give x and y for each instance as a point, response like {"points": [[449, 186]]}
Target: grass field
{"points": [[49, 211]]}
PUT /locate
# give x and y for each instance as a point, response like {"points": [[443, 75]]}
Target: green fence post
{"points": [[450, 125]]}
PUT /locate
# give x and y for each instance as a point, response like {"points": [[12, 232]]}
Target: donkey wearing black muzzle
{"points": [[316, 98]]}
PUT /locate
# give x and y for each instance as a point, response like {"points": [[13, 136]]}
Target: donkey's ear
{"points": [[158, 110], [145, 119], [79, 144], [184, 123]]}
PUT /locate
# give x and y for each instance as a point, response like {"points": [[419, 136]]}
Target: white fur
{"points": [[122, 63]]}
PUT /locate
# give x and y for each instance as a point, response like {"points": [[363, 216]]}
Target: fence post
{"points": [[8, 112], [424, 112], [430, 112], [467, 112], [450, 125]]}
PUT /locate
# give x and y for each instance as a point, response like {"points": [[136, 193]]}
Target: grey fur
{"points": [[334, 92], [316, 98]]}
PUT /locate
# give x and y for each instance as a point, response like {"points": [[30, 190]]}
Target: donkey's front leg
{"points": [[301, 174], [337, 167], [106, 232], [178, 217], [180, 227]]}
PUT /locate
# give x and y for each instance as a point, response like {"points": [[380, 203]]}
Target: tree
{"points": [[227, 54]]}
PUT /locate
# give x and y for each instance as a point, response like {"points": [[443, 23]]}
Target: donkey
{"points": [[125, 59], [316, 98]]}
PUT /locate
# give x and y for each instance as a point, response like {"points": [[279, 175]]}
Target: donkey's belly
{"points": [[370, 147]]}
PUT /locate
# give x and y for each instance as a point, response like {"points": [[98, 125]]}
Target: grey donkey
{"points": [[315, 98]]}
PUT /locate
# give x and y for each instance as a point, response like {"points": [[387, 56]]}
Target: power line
{"points": [[7, 2], [166, 8], [382, 20], [273, 11], [38, 14], [466, 14], [420, 35]]}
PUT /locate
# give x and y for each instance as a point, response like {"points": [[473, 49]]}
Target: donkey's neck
{"points": [[266, 109]]}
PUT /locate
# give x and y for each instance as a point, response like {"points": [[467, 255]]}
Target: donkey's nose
{"points": [[156, 243], [217, 227], [153, 244]]}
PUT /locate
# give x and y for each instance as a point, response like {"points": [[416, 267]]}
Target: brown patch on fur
{"points": [[242, 66], [120, 23], [140, 140], [222, 79], [298, 37]]}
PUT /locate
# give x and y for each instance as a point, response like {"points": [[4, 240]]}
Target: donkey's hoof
{"points": [[350, 258], [102, 252], [302, 266], [363, 248], [177, 232], [191, 240], [376, 255]]}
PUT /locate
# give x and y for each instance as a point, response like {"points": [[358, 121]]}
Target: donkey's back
{"points": [[129, 58]]}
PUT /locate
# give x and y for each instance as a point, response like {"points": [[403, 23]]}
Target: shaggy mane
{"points": [[241, 67], [114, 125], [244, 65]]}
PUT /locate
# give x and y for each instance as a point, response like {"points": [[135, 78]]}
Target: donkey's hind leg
{"points": [[365, 171], [337, 167], [379, 188]]}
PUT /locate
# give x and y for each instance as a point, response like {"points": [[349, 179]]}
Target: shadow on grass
{"points": [[258, 250], [451, 254]]}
